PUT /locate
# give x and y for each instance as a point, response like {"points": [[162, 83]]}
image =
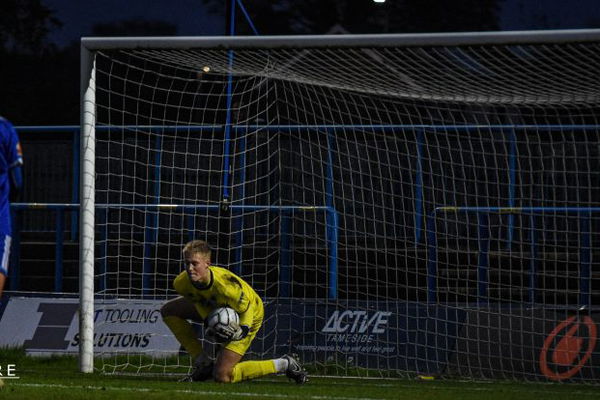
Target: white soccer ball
{"points": [[223, 317]]}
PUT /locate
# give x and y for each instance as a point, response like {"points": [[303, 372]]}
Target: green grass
{"points": [[58, 378]]}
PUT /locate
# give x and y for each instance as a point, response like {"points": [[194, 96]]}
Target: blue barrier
{"points": [[232, 130], [151, 235], [510, 132], [14, 272], [483, 239]]}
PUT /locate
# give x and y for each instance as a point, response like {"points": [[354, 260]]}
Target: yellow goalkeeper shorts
{"points": [[241, 346]]}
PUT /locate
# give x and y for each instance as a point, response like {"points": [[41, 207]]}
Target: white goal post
{"points": [[404, 204]]}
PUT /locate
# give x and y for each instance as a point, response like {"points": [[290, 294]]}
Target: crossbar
{"points": [[330, 41]]}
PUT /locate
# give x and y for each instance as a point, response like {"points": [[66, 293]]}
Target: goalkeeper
{"points": [[203, 288]]}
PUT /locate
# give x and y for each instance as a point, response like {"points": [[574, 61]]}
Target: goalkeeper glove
{"points": [[240, 333], [226, 333]]}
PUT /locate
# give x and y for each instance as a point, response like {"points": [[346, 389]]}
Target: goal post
{"points": [[404, 204], [87, 212]]}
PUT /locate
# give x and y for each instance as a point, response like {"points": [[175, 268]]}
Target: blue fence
{"points": [[423, 214], [151, 233], [483, 238]]}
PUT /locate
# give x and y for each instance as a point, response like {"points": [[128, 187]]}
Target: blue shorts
{"points": [[5, 241]]}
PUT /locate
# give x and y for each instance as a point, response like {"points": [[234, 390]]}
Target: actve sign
{"points": [[355, 326], [567, 347], [357, 322]]}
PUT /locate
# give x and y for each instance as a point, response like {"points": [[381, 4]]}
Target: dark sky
{"points": [[550, 14], [79, 16], [191, 18]]}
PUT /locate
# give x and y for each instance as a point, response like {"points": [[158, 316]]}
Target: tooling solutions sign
{"points": [[48, 325]]}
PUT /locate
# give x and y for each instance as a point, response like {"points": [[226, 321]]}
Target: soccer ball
{"points": [[222, 319]]}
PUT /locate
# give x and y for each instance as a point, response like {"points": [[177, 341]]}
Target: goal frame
{"points": [[88, 117]]}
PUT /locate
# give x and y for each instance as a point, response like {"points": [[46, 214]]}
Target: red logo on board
{"points": [[567, 347]]}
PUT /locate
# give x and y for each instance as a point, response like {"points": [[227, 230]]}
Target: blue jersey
{"points": [[10, 157]]}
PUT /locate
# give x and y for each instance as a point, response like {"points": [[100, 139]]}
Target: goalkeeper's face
{"points": [[197, 267]]}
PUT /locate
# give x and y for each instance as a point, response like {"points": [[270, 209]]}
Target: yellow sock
{"points": [[252, 369], [184, 333]]}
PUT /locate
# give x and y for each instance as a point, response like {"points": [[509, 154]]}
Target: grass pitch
{"points": [[58, 378]]}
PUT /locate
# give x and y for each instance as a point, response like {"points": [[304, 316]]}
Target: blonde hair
{"points": [[197, 246]]}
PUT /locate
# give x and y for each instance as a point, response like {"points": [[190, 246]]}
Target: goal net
{"points": [[404, 204]]}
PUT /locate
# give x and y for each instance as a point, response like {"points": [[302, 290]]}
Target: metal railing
{"points": [[423, 235], [483, 239], [332, 233]]}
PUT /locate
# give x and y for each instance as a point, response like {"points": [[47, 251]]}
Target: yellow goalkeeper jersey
{"points": [[224, 289]]}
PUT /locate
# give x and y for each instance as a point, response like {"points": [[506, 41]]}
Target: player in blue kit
{"points": [[11, 182]]}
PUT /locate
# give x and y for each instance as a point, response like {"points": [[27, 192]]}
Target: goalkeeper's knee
{"points": [[223, 375]]}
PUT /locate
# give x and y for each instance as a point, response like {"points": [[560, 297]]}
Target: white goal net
{"points": [[404, 204]]}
